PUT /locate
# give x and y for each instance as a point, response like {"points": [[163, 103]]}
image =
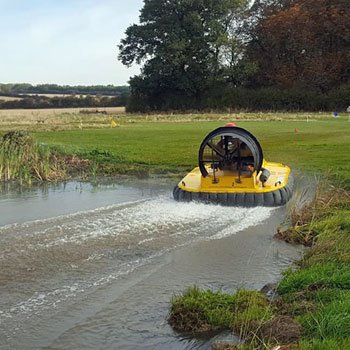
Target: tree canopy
{"points": [[200, 53], [302, 43], [185, 46]]}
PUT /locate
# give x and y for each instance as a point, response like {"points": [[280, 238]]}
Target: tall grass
{"points": [[24, 160], [306, 215]]}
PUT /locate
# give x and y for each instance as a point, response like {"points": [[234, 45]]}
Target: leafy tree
{"points": [[301, 43], [186, 46]]}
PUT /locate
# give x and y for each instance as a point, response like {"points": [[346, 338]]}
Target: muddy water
{"points": [[94, 267]]}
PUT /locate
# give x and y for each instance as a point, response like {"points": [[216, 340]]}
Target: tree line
{"points": [[66, 101], [269, 55], [37, 96], [24, 88]]}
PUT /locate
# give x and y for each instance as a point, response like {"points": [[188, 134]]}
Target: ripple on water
{"points": [[56, 259]]}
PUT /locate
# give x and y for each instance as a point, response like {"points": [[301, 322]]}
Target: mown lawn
{"points": [[319, 146]]}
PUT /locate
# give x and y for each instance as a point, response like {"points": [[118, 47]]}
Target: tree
{"points": [[183, 45], [301, 43]]}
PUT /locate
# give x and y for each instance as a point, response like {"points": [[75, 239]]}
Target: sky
{"points": [[65, 41]]}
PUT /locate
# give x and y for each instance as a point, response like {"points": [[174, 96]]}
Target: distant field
{"points": [[20, 96], [78, 118], [65, 95], [57, 119], [9, 98]]}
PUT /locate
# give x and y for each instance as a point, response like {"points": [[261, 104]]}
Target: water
{"points": [[94, 267]]}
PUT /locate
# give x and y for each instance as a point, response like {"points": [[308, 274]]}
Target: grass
{"points": [[9, 98], [198, 311], [55, 119], [217, 310], [22, 159], [248, 313], [313, 142], [329, 344], [321, 146], [330, 321], [315, 294], [326, 275]]}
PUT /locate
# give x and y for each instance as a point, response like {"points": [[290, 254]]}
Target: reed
{"points": [[24, 160]]}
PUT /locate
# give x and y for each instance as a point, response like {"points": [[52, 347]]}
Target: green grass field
{"points": [[318, 146]]}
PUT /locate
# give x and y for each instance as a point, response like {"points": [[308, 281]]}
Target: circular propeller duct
{"points": [[230, 148]]}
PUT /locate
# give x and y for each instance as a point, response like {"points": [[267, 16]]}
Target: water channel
{"points": [[94, 266]]}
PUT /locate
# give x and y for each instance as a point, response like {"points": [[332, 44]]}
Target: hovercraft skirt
{"points": [[275, 198]]}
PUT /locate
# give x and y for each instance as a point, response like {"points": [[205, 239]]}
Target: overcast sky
{"points": [[64, 41]]}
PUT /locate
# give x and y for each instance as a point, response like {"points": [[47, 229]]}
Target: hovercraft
{"points": [[232, 171]]}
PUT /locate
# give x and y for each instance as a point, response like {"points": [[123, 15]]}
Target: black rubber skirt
{"points": [[268, 199]]}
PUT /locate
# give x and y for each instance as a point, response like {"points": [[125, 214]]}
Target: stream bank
{"points": [[308, 308]]}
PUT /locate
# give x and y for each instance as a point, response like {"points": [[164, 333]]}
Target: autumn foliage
{"points": [[304, 44], [261, 55]]}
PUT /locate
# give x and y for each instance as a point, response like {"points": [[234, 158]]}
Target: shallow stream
{"points": [[86, 266]]}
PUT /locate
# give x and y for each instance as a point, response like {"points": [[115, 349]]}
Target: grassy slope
{"points": [[318, 146], [315, 296]]}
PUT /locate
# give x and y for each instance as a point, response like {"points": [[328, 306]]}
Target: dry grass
{"points": [[56, 118], [28, 113], [9, 98], [22, 159], [72, 118], [62, 95]]}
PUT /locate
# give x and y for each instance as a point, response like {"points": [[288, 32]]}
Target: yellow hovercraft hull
{"points": [[227, 188]]}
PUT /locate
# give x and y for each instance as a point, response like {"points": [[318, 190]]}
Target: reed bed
{"points": [[22, 159]]}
